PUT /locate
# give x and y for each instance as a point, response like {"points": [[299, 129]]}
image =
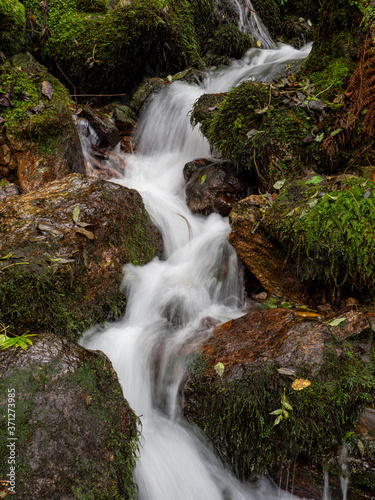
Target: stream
{"points": [[169, 299]]}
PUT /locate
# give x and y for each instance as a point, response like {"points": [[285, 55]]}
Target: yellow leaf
{"points": [[219, 368], [300, 383], [259, 43]]}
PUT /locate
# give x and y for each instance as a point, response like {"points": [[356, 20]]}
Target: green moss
{"points": [[328, 230], [50, 300], [12, 22], [253, 127], [229, 41], [34, 117], [95, 51], [236, 414], [90, 379]]}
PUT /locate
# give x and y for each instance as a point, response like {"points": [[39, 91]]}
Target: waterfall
{"points": [[169, 300]]}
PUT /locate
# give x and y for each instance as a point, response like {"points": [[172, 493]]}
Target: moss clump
{"points": [[96, 51], [34, 117], [230, 42], [327, 228], [235, 414], [253, 127], [12, 22]]}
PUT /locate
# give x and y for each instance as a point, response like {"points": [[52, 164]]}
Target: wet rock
{"points": [[76, 434], [213, 188], [8, 190], [39, 141], [259, 254], [262, 354], [63, 248], [103, 125], [145, 92]]}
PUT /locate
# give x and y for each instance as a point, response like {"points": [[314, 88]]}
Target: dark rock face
{"points": [[212, 188], [38, 138], [76, 434], [262, 355], [103, 126], [63, 269]]}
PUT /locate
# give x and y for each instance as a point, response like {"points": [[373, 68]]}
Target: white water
{"points": [[249, 22], [169, 299]]}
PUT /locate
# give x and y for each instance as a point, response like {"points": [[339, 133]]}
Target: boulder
{"points": [[75, 436], [39, 141], [244, 389], [12, 21], [62, 251], [103, 125], [212, 188], [260, 254]]}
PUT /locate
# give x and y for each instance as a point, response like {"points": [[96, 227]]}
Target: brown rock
{"points": [[63, 274], [260, 255]]}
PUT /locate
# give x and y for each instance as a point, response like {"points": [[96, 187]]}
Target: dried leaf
{"points": [[300, 383], [307, 314], [85, 232], [75, 213], [361, 448], [367, 193], [50, 229], [219, 368], [278, 420], [312, 203], [319, 137], [269, 197], [251, 133], [286, 371], [47, 89]]}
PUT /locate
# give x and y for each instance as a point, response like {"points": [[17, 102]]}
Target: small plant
{"points": [[283, 411], [15, 340]]}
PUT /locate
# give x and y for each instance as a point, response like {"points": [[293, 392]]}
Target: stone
{"points": [[260, 255], [66, 245], [103, 125], [76, 434], [214, 188]]}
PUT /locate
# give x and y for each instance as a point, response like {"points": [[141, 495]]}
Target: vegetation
{"points": [[236, 414], [12, 22]]}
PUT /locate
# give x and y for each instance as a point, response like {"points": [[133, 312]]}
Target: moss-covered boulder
{"points": [[39, 139], [112, 50], [73, 434], [325, 226], [264, 128], [245, 378], [62, 252], [12, 22]]}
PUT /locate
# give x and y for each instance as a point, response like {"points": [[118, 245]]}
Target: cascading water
{"points": [[249, 22], [169, 300]]}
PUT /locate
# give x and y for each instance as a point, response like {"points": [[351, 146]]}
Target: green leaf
{"points": [[288, 406], [276, 412], [309, 23], [75, 213], [203, 178], [314, 180], [335, 132], [312, 203], [279, 184], [336, 321], [22, 344], [319, 137], [278, 420], [285, 414]]}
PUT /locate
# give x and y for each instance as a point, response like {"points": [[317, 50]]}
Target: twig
{"points": [[251, 10], [260, 176], [95, 95], [188, 225], [14, 264]]}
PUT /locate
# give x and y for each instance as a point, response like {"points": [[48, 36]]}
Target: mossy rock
{"points": [[325, 226], [253, 126], [65, 246], [12, 22], [97, 50], [39, 118], [228, 41], [77, 436], [262, 353]]}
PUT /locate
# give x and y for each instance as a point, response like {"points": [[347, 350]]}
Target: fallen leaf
{"points": [[279, 184], [203, 178], [286, 371], [300, 383], [259, 43], [314, 180], [85, 232], [219, 368], [336, 321], [75, 213], [307, 314], [47, 89]]}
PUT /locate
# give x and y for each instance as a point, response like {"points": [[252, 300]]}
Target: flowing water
{"points": [[170, 299]]}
